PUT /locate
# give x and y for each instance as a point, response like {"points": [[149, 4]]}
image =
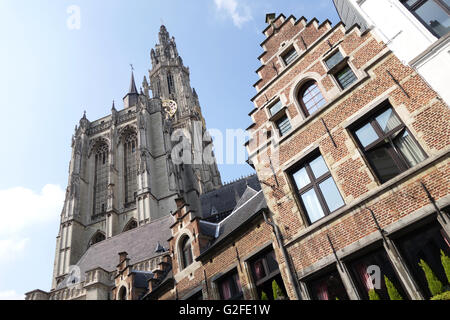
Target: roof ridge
{"points": [[240, 207]]}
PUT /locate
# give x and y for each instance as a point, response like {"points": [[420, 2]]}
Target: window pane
{"points": [[331, 194], [328, 287], [258, 270], [411, 2], [364, 281], [301, 178], [345, 77], [284, 125], [290, 56], [275, 108], [312, 205], [272, 262], [388, 120], [409, 148], [383, 164], [334, 60], [425, 243], [313, 99], [435, 17], [319, 167], [366, 135]]}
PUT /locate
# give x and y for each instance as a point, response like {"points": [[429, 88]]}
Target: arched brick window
{"points": [[310, 98], [122, 294], [186, 252]]}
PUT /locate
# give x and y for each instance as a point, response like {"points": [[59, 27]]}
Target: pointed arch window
{"points": [[130, 167], [310, 98], [96, 238], [186, 252], [101, 179], [130, 225], [170, 83], [157, 92]]}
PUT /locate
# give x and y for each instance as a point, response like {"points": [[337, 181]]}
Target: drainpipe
{"points": [[276, 231]]}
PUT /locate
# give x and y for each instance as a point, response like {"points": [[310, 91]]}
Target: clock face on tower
{"points": [[170, 107]]}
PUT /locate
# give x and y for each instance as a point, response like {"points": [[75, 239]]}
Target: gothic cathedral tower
{"points": [[123, 172]]}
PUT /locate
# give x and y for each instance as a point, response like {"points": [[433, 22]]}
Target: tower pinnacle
{"points": [[132, 83], [132, 96]]}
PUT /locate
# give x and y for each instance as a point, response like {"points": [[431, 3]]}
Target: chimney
{"points": [[122, 256], [270, 17]]}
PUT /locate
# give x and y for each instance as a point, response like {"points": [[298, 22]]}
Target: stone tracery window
{"points": [[130, 166], [171, 83], [101, 178], [96, 238], [130, 225]]}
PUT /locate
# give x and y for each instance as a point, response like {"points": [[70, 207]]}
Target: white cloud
{"points": [[11, 295], [21, 208], [239, 13]]}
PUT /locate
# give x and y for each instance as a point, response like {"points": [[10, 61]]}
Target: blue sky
{"points": [[50, 74]]}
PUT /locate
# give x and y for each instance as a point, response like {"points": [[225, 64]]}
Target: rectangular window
{"points": [[345, 77], [275, 108], [339, 68], [334, 60], [230, 286], [290, 56], [327, 287], [366, 280], [317, 190], [425, 244], [283, 125], [434, 14], [264, 269], [387, 144]]}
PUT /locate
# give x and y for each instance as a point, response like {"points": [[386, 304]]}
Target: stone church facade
{"points": [[350, 149]]}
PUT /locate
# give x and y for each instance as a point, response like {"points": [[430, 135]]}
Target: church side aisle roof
{"points": [[139, 243], [225, 198]]}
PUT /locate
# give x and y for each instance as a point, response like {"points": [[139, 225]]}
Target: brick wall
{"points": [[423, 112]]}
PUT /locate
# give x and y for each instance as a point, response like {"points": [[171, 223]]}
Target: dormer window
{"points": [[280, 118], [289, 56], [339, 68]]}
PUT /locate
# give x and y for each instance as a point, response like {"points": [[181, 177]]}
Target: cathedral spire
{"points": [[132, 89], [163, 35], [131, 98]]}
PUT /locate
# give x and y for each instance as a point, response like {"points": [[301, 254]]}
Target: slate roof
{"points": [[253, 205], [225, 199], [141, 278], [139, 243], [349, 15]]}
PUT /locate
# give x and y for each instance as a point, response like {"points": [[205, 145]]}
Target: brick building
{"points": [[351, 148]]}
